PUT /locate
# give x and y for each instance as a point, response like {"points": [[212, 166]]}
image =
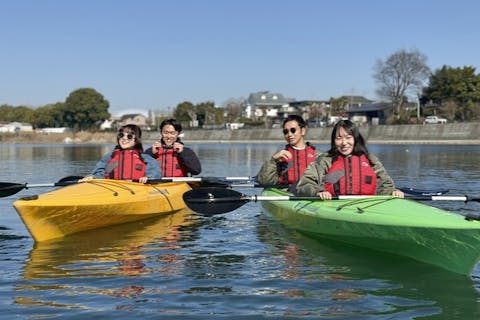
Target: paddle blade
{"points": [[66, 181], [9, 188], [210, 201], [422, 192]]}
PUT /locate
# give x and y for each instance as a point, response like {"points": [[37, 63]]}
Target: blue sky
{"points": [[153, 54]]}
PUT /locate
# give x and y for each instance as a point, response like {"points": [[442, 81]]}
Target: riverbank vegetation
{"points": [[450, 92]]}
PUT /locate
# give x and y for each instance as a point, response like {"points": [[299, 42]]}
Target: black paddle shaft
{"points": [[213, 200], [11, 188]]}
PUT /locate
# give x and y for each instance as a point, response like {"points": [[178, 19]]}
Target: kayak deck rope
{"points": [[106, 184], [361, 210], [164, 194], [360, 201]]}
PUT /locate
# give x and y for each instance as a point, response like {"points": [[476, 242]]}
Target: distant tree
{"points": [[337, 106], [84, 109], [457, 91], [207, 111], [232, 109], [49, 115], [401, 74], [16, 114], [185, 112]]}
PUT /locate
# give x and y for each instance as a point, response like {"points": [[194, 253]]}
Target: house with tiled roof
{"points": [[355, 101], [371, 113], [265, 104]]}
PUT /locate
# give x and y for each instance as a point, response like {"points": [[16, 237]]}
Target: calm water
{"points": [[240, 265]]}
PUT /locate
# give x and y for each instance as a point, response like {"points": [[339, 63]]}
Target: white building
{"points": [[16, 127]]}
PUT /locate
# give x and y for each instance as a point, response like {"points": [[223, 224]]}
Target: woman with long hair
{"points": [[346, 169], [127, 161]]}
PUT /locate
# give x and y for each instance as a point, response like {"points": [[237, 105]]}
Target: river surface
{"points": [[238, 265]]}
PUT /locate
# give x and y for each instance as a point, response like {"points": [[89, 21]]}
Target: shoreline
{"points": [[447, 134], [445, 142]]}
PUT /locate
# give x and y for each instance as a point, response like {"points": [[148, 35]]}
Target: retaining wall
{"points": [[459, 133]]}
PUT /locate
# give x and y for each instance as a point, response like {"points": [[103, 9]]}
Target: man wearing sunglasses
{"points": [[287, 165]]}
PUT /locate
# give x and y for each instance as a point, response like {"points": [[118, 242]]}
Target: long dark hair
{"points": [[359, 146], [133, 129]]}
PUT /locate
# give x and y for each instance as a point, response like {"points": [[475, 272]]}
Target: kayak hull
{"points": [[388, 224], [96, 204]]}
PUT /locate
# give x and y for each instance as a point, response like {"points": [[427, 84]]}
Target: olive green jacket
{"points": [[311, 183], [269, 175]]}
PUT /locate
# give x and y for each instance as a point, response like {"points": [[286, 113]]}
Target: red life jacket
{"points": [[351, 175], [125, 165], [291, 171], [168, 161]]}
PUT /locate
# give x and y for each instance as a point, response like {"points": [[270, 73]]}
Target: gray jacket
{"points": [[269, 173]]}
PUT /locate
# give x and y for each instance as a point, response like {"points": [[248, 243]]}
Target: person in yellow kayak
{"points": [[127, 161], [286, 166], [346, 169], [173, 158]]}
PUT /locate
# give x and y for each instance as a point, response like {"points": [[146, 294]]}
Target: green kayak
{"points": [[399, 226]]}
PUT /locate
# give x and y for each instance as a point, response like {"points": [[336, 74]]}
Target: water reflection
{"points": [[116, 250], [353, 278]]}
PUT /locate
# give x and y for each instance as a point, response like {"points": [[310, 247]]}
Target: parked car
{"points": [[434, 120]]}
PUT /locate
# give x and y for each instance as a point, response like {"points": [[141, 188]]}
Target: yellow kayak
{"points": [[95, 204]]}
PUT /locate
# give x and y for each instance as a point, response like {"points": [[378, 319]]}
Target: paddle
{"points": [[251, 182], [10, 188], [212, 181], [423, 192], [220, 200]]}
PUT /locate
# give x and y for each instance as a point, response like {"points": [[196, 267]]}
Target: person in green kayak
{"points": [[127, 161], [346, 169], [286, 166]]}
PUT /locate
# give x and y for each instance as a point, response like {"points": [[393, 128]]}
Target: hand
{"points": [[325, 195], [177, 146], [143, 180], [155, 146], [282, 155], [85, 179], [398, 194]]}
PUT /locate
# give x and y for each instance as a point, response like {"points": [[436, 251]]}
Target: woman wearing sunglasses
{"points": [[346, 169], [287, 165], [173, 158], [127, 161]]}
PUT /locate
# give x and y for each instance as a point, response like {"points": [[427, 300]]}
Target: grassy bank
{"points": [[70, 137]]}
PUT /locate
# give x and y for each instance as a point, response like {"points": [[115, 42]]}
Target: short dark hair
{"points": [[359, 146], [176, 125], [295, 117]]}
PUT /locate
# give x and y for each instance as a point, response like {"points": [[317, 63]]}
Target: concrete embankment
{"points": [[452, 133]]}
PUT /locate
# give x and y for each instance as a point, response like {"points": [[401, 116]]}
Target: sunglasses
{"points": [[292, 130], [129, 136]]}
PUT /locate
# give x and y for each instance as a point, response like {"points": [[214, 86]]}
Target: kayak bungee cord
{"points": [[363, 200], [361, 210], [113, 183]]}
